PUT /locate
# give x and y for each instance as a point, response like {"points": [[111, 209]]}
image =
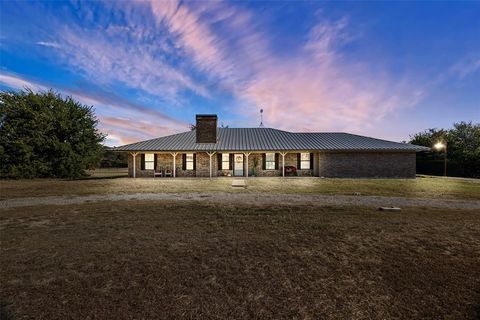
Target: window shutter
{"points": [[243, 165], [194, 161], [264, 161], [142, 161], [230, 164], [311, 161], [299, 160], [184, 161], [155, 161], [219, 160], [276, 161]]}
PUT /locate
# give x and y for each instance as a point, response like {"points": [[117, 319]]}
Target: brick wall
{"points": [[164, 161], [367, 165], [341, 164], [203, 165], [206, 129]]}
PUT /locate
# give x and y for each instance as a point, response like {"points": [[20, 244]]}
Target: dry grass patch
{"points": [[192, 260], [413, 188]]}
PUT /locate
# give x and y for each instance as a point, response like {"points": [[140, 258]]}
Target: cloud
{"points": [[128, 129], [108, 62], [132, 121], [191, 34], [16, 82], [48, 44], [317, 86], [466, 67]]}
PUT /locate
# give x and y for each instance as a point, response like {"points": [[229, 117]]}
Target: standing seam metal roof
{"points": [[268, 139]]}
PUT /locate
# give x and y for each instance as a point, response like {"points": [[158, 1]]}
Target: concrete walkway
{"points": [[249, 199]]}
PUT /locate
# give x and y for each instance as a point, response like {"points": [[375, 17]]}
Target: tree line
{"points": [[463, 150]]}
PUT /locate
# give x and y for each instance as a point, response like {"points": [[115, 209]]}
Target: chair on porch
{"points": [[290, 171], [158, 173], [168, 172]]}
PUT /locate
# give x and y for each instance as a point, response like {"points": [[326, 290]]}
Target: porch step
{"points": [[237, 183]]}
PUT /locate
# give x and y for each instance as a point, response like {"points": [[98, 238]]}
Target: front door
{"points": [[238, 165]]}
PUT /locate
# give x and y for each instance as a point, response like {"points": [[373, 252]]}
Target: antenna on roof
{"points": [[261, 118]]}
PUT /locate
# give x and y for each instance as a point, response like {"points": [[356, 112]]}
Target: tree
{"points": [[112, 159], [463, 142], [46, 135]]}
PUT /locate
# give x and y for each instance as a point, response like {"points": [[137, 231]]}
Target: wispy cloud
{"points": [[131, 122], [322, 89], [16, 82], [466, 67], [108, 61], [48, 44]]}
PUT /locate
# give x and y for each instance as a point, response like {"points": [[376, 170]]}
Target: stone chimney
{"points": [[206, 128]]}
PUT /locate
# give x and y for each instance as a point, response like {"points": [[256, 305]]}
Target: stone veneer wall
{"points": [[367, 165]]}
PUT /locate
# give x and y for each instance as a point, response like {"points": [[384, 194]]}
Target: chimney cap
{"points": [[206, 116]]}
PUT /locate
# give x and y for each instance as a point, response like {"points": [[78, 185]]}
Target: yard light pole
{"points": [[440, 146]]}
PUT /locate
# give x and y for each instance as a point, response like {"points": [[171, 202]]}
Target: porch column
{"points": [[245, 167], [283, 162], [210, 154], [174, 155], [134, 154]]}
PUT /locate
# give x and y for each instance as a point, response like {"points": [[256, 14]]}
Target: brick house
{"points": [[209, 151]]}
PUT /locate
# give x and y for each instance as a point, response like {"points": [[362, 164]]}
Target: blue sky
{"points": [[382, 69]]}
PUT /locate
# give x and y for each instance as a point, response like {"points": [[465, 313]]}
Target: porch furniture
{"points": [[157, 173], [290, 171], [168, 172]]}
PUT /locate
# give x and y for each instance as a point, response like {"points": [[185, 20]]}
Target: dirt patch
{"points": [[249, 198]]}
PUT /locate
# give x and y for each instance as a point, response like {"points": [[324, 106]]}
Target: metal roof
{"points": [[268, 139]]}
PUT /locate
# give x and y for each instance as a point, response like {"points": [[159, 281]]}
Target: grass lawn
{"points": [[415, 188], [194, 260]]}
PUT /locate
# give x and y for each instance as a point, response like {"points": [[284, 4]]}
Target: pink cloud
{"points": [[322, 89], [17, 82], [128, 130]]}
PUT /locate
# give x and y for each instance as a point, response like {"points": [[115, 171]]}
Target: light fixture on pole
{"points": [[439, 146]]}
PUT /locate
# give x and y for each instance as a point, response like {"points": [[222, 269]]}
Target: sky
{"points": [[381, 69]]}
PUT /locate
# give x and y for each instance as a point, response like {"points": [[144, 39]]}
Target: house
{"points": [[209, 151]]}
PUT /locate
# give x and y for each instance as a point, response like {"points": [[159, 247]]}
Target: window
{"points": [[270, 161], [304, 160], [149, 161], [225, 161], [189, 161]]}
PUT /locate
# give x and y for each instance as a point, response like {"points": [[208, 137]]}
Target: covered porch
{"points": [[218, 164]]}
